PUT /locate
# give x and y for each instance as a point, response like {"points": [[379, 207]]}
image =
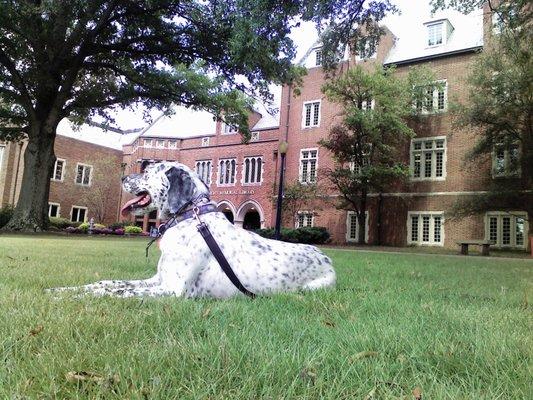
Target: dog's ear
{"points": [[181, 189]]}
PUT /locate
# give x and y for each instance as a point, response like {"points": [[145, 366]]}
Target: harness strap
{"points": [[222, 261]]}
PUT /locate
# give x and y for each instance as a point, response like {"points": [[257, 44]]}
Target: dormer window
{"points": [[435, 36], [318, 57]]}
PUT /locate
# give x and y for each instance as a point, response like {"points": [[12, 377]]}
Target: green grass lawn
{"points": [[451, 327]]}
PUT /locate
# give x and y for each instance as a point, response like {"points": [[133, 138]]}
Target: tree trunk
{"points": [[31, 211], [361, 219]]}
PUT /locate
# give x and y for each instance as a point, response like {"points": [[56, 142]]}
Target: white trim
{"points": [[83, 174], [251, 203], [300, 166], [513, 215], [62, 170], [50, 203], [243, 174], [431, 239], [172, 144], [80, 207], [348, 227], [305, 213], [423, 151], [2, 151], [150, 146], [312, 113], [157, 146], [196, 162], [219, 172], [205, 141]]}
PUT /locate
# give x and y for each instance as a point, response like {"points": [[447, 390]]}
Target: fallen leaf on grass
{"points": [[206, 312], [364, 354], [308, 374], [82, 376], [35, 331], [370, 394], [329, 323], [417, 393]]}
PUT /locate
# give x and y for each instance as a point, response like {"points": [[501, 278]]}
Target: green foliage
{"points": [[296, 195], [59, 223], [5, 215], [118, 225], [307, 235], [84, 227], [132, 230]]}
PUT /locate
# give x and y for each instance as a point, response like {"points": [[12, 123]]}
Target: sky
{"points": [[186, 122]]}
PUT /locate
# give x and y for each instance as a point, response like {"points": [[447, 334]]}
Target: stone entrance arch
{"points": [[227, 209], [250, 215]]}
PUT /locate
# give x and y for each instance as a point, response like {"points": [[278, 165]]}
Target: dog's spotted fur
{"points": [[187, 266]]}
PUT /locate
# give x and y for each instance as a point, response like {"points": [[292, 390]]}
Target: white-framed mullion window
{"points": [[425, 228], [305, 219], [54, 210], [148, 143], [78, 214], [252, 170], [311, 114], [83, 174], [436, 99], [428, 158], [59, 170], [507, 229], [203, 169], [506, 161], [436, 35], [352, 225], [308, 165], [227, 169]]}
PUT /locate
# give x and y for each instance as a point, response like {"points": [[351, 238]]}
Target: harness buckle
{"points": [[196, 211]]}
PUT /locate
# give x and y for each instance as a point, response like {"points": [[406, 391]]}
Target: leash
{"points": [[202, 227]]}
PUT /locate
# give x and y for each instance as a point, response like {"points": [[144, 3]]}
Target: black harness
{"points": [[202, 227]]}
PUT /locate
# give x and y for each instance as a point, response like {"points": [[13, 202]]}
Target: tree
{"points": [[295, 196], [100, 196], [500, 109], [367, 143], [81, 59]]}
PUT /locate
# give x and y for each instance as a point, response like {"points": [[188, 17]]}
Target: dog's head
{"points": [[166, 186]]}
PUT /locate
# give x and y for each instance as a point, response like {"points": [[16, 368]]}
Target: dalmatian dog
{"points": [[187, 266]]}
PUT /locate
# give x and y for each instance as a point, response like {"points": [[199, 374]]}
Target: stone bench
{"points": [[485, 246]]}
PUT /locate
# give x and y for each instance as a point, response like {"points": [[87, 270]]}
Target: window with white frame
{"points": [[203, 169], [506, 161], [59, 170], [308, 165], [352, 227], [226, 171], [318, 57], [435, 34], [2, 148], [78, 214], [367, 104], [252, 170], [83, 174], [160, 144], [305, 219], [428, 158], [148, 143], [205, 142], [254, 137], [228, 129], [506, 229], [436, 98], [172, 144], [311, 114], [426, 228], [53, 210]]}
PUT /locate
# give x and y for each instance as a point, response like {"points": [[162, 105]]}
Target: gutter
{"points": [[433, 56]]}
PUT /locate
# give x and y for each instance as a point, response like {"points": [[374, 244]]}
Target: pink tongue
{"points": [[126, 207]]}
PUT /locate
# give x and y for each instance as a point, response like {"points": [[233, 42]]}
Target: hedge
{"points": [[307, 235]]}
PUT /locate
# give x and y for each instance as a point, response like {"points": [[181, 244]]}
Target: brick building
{"points": [[242, 177], [84, 184]]}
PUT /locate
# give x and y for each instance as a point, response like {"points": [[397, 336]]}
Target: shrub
{"points": [[132, 230], [119, 231], [72, 229], [5, 215], [118, 225], [307, 235], [85, 227], [59, 223]]}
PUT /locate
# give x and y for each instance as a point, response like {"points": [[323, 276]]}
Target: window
{"points": [[205, 142], [435, 35], [425, 228], [428, 158], [148, 143], [506, 161], [226, 171], [318, 57], [228, 129], [59, 168], [83, 174], [255, 136], [172, 144], [160, 144], [2, 148], [304, 219], [252, 170], [203, 169], [366, 105], [352, 225], [436, 98], [308, 164], [311, 114], [53, 209], [78, 214], [507, 229]]}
